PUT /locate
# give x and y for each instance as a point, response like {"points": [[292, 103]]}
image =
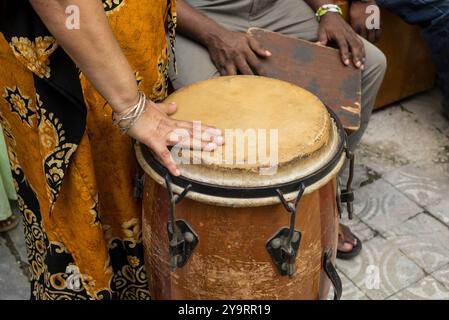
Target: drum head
{"points": [[247, 104], [275, 133]]}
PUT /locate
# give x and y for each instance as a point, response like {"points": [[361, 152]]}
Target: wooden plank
{"points": [[316, 68]]}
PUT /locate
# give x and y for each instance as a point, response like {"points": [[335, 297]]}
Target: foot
{"points": [[349, 245], [346, 240], [9, 223]]}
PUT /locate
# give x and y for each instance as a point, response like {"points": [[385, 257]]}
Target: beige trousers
{"points": [[288, 17]]}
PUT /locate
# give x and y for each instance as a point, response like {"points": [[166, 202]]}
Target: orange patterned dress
{"points": [[73, 170]]}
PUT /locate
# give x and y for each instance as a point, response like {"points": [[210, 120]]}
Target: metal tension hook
{"points": [[332, 274], [347, 195], [182, 238], [283, 247]]}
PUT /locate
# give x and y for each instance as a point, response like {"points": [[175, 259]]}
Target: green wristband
{"points": [[325, 9]]}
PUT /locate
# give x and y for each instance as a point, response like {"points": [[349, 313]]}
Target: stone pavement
{"points": [[402, 210], [402, 205], [14, 283]]}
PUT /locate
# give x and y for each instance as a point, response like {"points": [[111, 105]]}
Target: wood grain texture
{"points": [[329, 234], [410, 67], [231, 261], [317, 69]]}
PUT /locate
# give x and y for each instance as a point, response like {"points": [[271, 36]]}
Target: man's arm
{"points": [[195, 25], [231, 52], [359, 13], [316, 4], [334, 28]]}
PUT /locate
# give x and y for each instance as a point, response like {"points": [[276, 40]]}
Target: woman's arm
{"points": [[92, 47], [97, 53]]}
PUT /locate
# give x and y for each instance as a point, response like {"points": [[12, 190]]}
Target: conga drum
{"points": [[239, 226]]}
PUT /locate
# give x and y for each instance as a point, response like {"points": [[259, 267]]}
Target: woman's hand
{"points": [[157, 130]]}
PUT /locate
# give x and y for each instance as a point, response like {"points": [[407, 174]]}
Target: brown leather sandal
{"points": [[9, 224]]}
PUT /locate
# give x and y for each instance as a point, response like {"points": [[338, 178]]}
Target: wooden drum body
{"points": [[235, 225], [230, 261]]}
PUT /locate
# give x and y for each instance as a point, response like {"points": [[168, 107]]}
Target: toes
{"points": [[345, 247]]}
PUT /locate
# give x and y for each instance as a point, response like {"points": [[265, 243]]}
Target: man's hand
{"points": [[334, 28], [231, 52], [235, 52], [358, 17]]}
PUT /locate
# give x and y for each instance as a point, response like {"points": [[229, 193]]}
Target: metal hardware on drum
{"points": [[138, 182], [182, 238], [338, 198], [347, 195], [332, 274], [283, 247]]}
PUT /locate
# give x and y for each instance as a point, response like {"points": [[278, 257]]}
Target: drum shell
{"points": [[231, 261]]}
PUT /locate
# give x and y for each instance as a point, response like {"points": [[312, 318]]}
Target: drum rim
{"points": [[233, 192]]}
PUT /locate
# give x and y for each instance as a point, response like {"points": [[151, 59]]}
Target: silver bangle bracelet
{"points": [[126, 119]]}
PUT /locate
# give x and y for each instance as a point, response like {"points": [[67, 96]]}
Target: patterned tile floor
{"points": [[402, 210], [402, 205]]}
